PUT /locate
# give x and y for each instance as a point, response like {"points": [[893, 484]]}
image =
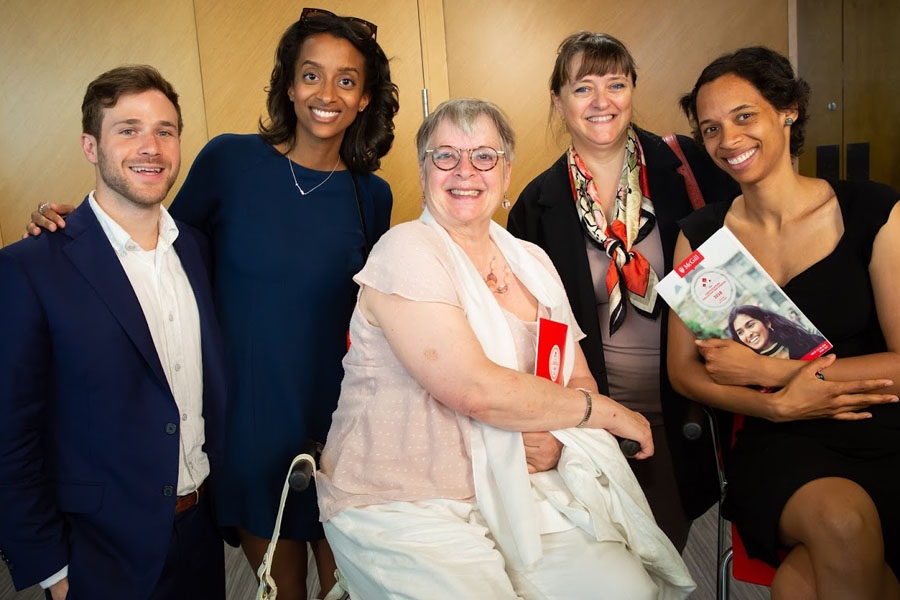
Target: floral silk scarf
{"points": [[630, 276]]}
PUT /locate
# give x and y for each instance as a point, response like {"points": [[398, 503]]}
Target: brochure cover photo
{"points": [[720, 291]]}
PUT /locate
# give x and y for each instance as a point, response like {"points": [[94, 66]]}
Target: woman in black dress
{"points": [[812, 475]]}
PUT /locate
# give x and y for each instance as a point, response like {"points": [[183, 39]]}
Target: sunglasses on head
{"points": [[367, 28]]}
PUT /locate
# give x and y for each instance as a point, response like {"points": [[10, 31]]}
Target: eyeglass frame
{"points": [[459, 153], [312, 13]]}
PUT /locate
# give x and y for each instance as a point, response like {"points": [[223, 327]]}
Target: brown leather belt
{"points": [[188, 501]]}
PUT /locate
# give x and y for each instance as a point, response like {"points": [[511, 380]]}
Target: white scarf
{"points": [[502, 483]]}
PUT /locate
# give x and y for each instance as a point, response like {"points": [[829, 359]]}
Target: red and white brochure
{"points": [[551, 350], [721, 275]]}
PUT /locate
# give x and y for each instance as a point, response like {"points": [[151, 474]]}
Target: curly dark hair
{"points": [[792, 336], [371, 134], [771, 74]]}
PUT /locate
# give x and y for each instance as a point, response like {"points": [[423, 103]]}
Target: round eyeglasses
{"points": [[483, 158]]}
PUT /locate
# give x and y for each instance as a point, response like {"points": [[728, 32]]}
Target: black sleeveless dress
{"points": [[770, 461]]}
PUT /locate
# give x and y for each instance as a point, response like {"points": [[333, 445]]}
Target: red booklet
{"points": [[551, 350]]}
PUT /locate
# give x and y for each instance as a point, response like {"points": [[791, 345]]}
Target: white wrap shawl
{"points": [[592, 467]]}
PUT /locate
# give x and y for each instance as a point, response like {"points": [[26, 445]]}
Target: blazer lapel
{"points": [[198, 275], [564, 239], [94, 257], [214, 386]]}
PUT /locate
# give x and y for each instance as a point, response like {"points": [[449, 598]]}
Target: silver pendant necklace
{"points": [[318, 185]]}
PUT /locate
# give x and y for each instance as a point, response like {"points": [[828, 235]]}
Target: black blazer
{"points": [[545, 214]]}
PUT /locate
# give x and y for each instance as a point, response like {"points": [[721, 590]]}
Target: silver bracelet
{"points": [[587, 409]]}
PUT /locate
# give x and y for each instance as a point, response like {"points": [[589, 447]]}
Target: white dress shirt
{"points": [[168, 302]]}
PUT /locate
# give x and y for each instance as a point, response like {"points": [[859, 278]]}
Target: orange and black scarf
{"points": [[630, 275]]}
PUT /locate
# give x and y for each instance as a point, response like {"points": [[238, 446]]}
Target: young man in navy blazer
{"points": [[112, 389]]}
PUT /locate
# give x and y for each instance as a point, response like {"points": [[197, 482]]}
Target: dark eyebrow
{"points": [[730, 112], [138, 122], [127, 122], [739, 108], [611, 76], [313, 63]]}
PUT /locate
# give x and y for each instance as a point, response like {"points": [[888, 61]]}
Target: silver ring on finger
{"points": [[42, 207]]}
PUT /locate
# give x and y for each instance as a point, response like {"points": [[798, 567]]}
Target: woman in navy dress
{"points": [[284, 286]]}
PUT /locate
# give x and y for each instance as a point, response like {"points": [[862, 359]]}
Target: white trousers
{"points": [[442, 549]]}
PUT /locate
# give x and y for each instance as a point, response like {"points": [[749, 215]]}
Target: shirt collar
{"points": [[119, 238]]}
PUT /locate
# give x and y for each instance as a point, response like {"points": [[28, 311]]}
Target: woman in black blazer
{"points": [[616, 193]]}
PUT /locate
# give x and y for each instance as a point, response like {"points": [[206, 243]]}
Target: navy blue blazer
{"points": [[89, 429]]}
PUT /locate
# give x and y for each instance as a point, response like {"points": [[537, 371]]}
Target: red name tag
{"points": [[551, 350]]}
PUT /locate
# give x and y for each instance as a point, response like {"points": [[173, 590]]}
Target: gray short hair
{"points": [[463, 112]]}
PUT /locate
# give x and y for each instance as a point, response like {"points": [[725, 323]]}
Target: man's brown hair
{"points": [[105, 90]]}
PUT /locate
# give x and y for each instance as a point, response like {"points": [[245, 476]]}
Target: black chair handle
{"points": [[302, 473]]}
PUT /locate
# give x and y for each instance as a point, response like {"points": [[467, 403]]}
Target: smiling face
{"points": [[595, 108], [742, 132], [328, 88], [752, 332], [138, 153], [464, 197]]}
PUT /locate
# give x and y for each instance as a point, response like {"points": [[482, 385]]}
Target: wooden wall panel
{"points": [[237, 49], [506, 55], [51, 50], [500, 50]]}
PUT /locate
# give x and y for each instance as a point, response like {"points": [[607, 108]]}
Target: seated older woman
{"points": [[425, 488]]}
